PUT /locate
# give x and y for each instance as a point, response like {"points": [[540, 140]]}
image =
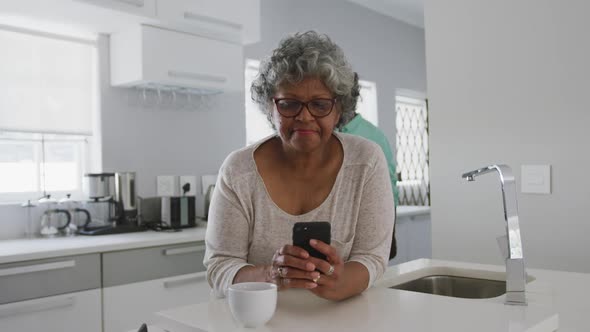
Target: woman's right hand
{"points": [[290, 268]]}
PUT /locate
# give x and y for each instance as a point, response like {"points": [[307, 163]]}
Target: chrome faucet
{"points": [[510, 244]]}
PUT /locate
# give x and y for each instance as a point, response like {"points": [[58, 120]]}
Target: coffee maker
{"points": [[114, 193]]}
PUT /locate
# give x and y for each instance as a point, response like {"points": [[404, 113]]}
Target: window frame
{"points": [[82, 152]]}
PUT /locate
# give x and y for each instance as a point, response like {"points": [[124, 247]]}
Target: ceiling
{"points": [[409, 11]]}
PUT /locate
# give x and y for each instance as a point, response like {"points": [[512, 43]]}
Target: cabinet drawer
{"points": [[128, 306], [129, 266], [79, 311], [39, 278]]}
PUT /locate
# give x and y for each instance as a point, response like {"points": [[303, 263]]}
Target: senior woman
{"points": [[306, 172]]}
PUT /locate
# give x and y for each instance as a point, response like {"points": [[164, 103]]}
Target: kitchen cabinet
{"points": [[236, 21], [145, 8], [57, 294], [139, 282], [146, 55], [232, 21], [413, 235], [128, 306], [72, 312]]}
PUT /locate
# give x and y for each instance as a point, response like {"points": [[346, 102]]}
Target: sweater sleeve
{"points": [[376, 218], [227, 236]]}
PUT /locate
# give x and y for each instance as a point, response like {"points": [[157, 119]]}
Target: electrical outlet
{"points": [[192, 181], [206, 181], [167, 185]]}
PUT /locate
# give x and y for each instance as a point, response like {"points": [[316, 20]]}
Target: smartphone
{"points": [[305, 231]]}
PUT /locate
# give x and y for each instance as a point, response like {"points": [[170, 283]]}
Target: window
{"points": [[31, 164], [412, 150], [48, 86], [257, 126], [367, 103]]}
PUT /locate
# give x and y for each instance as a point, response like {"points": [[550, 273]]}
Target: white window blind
{"points": [[257, 125], [46, 83], [367, 103]]}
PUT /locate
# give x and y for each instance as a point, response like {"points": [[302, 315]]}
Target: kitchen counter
{"points": [[39, 248], [411, 211], [555, 299]]}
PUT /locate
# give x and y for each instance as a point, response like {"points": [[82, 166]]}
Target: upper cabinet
{"points": [[236, 21], [145, 8], [151, 56], [228, 20]]}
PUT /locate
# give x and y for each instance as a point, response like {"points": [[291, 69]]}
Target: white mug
{"points": [[252, 303]]}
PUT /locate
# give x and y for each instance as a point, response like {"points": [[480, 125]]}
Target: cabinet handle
{"points": [[136, 3], [37, 268], [196, 76], [39, 305], [189, 280], [181, 251], [211, 20]]}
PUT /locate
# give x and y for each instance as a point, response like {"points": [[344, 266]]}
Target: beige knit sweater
{"points": [[246, 227]]}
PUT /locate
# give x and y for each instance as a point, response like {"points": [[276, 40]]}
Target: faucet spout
{"points": [[515, 268]]}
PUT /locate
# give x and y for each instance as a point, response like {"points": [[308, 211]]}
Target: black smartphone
{"points": [[305, 231]]}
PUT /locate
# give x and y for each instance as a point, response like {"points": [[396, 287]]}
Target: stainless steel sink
{"points": [[446, 285]]}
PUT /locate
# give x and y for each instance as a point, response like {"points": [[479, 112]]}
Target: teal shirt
{"points": [[363, 128]]}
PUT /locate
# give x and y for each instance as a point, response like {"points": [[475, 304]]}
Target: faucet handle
{"points": [[503, 245]]}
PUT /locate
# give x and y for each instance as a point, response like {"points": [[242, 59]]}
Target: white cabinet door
{"points": [[149, 55], [73, 312], [126, 307], [237, 21], [137, 7]]}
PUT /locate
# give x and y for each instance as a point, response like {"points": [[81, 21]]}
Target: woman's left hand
{"points": [[331, 269]]}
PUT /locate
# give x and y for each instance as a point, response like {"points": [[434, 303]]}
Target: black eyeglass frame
{"points": [[304, 104]]}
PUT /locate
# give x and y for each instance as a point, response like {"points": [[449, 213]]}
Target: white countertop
{"points": [[39, 248], [554, 298], [411, 211]]}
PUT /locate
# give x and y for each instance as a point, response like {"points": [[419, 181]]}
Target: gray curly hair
{"points": [[304, 55]]}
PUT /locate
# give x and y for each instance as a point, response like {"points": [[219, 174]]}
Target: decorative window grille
{"points": [[412, 151]]}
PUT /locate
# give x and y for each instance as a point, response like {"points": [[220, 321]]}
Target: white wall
{"points": [[507, 82]]}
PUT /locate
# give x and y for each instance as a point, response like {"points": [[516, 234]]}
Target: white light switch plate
{"points": [[192, 181], [536, 179], [206, 181], [167, 185]]}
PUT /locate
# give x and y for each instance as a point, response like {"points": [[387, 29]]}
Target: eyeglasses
{"points": [[291, 108]]}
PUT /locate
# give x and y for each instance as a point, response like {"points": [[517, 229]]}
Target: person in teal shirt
{"points": [[361, 127]]}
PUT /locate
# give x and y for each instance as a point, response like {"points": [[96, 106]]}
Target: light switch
{"points": [[536, 179], [192, 181], [167, 185]]}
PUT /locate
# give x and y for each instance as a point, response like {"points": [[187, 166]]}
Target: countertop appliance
{"points": [[120, 202], [178, 212]]}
